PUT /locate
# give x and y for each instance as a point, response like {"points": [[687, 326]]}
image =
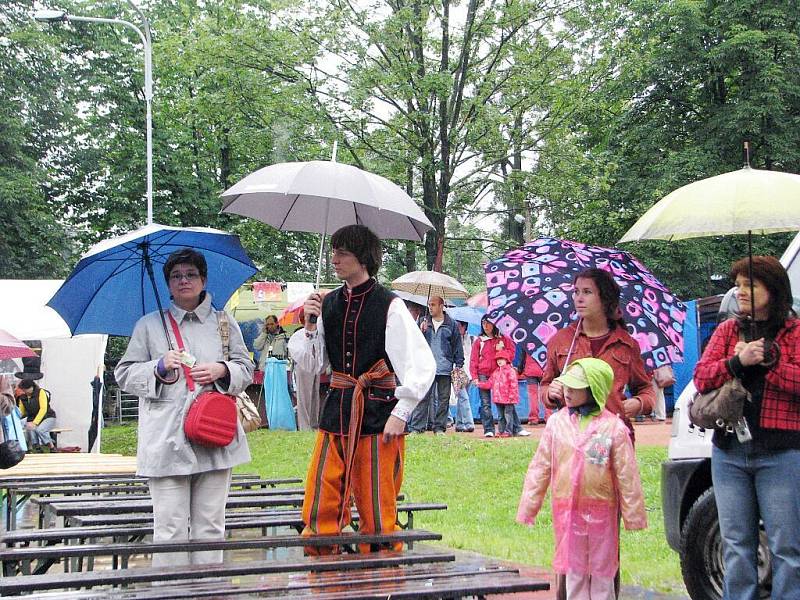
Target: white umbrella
{"points": [[322, 196], [430, 283]]}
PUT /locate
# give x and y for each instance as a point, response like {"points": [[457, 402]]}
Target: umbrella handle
{"points": [[148, 265]]}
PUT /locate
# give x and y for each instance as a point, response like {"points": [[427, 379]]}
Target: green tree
{"points": [[35, 242], [690, 81], [427, 72]]}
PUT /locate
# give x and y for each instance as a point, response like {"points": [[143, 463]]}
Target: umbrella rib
{"points": [[288, 212], [113, 274]]}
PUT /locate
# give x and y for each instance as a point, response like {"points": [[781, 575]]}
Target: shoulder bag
{"points": [[249, 416], [11, 450], [722, 407], [211, 419]]}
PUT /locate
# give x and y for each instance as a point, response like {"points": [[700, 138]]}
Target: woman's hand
{"points": [[207, 373], [752, 353], [632, 407], [555, 394], [172, 360]]}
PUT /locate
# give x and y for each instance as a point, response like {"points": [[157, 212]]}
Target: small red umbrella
{"points": [[291, 314], [11, 347], [479, 300]]}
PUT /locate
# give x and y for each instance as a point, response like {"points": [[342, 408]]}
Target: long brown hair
{"points": [[770, 272]]}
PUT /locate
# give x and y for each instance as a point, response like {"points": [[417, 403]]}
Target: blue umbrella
{"points": [[114, 284], [468, 314], [471, 315]]}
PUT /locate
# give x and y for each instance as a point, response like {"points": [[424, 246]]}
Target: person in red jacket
{"points": [[755, 467], [483, 362], [600, 333]]}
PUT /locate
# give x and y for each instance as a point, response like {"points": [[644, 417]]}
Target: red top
{"points": [[780, 404]]}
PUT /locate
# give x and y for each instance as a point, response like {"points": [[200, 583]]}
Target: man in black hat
{"points": [[38, 417]]}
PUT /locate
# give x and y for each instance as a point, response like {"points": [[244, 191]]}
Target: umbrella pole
{"points": [[752, 285], [313, 318], [148, 265]]}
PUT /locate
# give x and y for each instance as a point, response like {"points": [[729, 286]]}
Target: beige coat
{"points": [[163, 449]]}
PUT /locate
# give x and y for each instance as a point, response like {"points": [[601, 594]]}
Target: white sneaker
{"points": [[524, 433], [489, 434]]}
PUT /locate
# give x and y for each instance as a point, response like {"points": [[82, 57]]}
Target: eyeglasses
{"points": [[176, 277]]}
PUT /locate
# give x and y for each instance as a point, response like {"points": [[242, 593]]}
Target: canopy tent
{"points": [[69, 363]]}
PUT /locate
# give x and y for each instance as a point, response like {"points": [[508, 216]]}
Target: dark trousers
{"points": [[437, 401]]}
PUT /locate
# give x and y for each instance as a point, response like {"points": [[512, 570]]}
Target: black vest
{"points": [[355, 339]]}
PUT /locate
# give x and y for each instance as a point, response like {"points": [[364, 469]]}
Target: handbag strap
{"points": [[224, 333], [186, 371]]}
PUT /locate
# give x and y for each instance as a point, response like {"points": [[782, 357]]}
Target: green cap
{"points": [[574, 377]]}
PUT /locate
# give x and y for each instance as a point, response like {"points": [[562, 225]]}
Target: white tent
{"points": [[69, 363]]}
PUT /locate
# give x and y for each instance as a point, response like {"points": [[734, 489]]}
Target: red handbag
{"points": [[212, 418]]}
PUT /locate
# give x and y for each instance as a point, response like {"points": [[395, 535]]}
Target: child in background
{"points": [[587, 456], [505, 390], [531, 373]]}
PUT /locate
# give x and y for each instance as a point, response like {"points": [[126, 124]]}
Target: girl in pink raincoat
{"points": [[587, 457], [505, 390]]}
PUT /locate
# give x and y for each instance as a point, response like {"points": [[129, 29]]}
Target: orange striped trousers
{"points": [[376, 480]]}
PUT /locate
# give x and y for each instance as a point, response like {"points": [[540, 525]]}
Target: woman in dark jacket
{"points": [[755, 467], [38, 416]]}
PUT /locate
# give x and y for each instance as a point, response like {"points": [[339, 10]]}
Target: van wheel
{"points": [[701, 550], [702, 565]]}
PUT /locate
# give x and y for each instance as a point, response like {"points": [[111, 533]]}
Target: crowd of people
{"points": [[392, 373]]}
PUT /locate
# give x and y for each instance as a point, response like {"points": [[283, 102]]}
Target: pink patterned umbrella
{"points": [[530, 297], [11, 347]]}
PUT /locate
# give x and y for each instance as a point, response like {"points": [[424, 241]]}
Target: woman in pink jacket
{"points": [[483, 362]]}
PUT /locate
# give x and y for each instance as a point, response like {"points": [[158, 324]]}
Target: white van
{"points": [[687, 494]]}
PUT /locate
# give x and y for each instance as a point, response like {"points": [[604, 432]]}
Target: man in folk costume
{"points": [[371, 342]]}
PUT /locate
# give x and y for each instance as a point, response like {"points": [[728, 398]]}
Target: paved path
{"points": [[648, 433]]}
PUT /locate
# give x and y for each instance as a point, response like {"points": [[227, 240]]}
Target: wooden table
{"points": [[36, 466], [69, 463]]}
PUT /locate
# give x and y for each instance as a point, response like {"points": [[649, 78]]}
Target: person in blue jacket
{"points": [[444, 337]]}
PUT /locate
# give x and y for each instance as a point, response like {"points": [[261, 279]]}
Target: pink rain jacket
{"points": [[593, 475], [504, 385]]}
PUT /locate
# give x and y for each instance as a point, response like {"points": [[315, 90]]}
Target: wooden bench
{"points": [[122, 529], [19, 560], [330, 565], [56, 431], [413, 574], [145, 505], [19, 489], [142, 495]]}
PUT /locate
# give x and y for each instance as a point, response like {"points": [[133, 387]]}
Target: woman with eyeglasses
{"points": [[188, 482]]}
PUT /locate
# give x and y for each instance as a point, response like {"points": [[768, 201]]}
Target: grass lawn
{"points": [[481, 482]]}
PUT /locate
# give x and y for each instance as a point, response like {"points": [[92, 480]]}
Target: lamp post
{"points": [[57, 16]]}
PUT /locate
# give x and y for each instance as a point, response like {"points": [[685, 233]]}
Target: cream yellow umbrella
{"points": [[740, 202], [746, 201], [429, 284]]}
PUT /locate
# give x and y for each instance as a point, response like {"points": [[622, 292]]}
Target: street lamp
{"points": [[57, 16]]}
